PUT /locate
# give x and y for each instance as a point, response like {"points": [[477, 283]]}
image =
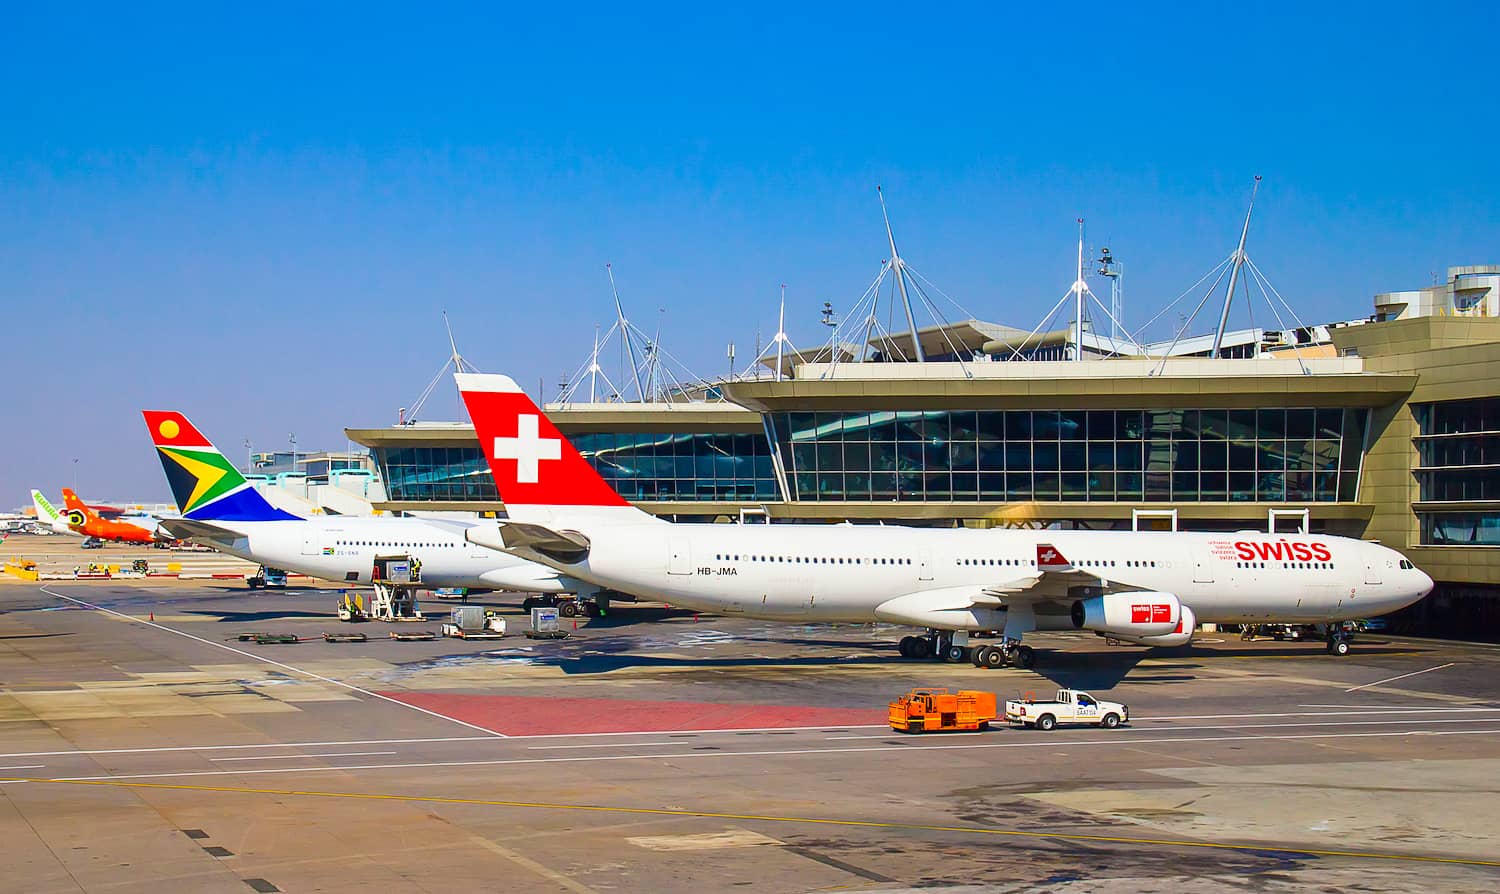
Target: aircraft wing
{"points": [[1050, 589]]}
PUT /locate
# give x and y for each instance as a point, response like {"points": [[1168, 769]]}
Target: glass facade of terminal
{"points": [[1458, 450], [1203, 455], [660, 467]]}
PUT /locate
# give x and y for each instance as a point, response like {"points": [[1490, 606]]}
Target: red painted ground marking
{"points": [[541, 715]]}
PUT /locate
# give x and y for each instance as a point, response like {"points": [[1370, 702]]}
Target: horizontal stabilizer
{"points": [[200, 532], [521, 538]]}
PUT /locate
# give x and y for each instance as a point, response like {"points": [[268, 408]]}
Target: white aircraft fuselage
{"points": [[344, 549], [849, 573]]}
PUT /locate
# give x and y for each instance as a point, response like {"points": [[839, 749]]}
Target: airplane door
{"points": [[924, 564], [679, 555], [1203, 569], [1372, 569], [310, 545]]}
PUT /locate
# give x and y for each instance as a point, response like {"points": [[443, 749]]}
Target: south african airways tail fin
{"points": [[205, 484]]}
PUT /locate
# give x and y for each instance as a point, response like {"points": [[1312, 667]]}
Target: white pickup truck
{"points": [[1068, 706]]}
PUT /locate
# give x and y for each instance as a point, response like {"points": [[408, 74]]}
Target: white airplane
{"points": [[48, 517], [222, 510], [1150, 588]]}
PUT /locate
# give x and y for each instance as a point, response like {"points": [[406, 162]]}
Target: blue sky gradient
{"points": [[256, 214]]}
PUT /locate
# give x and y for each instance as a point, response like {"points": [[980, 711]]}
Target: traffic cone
{"points": [[152, 617], [575, 623], [695, 617]]}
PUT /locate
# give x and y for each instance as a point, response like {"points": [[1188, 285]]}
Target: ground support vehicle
{"points": [[1067, 706], [475, 622], [267, 577], [938, 710]]}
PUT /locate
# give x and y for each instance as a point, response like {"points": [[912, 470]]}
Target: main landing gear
{"points": [[939, 644]]}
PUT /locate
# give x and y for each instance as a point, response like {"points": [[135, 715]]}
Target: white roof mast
{"points": [[1234, 272]]}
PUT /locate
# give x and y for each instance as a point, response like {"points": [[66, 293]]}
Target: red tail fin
{"points": [[533, 464], [1049, 558]]}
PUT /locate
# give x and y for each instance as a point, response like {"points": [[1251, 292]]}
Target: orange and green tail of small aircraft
{"points": [[89, 523]]}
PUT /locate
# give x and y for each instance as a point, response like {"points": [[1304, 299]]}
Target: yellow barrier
{"points": [[23, 569], [174, 567]]}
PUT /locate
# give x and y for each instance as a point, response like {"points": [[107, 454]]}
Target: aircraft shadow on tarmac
{"points": [[245, 617]]}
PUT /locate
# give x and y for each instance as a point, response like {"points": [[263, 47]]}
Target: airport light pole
{"points": [[291, 438]]}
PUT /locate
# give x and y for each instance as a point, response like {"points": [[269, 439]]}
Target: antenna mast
{"points": [[1234, 272], [1114, 271], [899, 267]]}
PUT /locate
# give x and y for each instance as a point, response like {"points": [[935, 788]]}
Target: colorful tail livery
{"points": [[205, 484], [47, 515], [532, 462]]}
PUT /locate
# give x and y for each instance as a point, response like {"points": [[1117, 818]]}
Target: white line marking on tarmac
{"points": [[170, 748], [675, 732], [282, 757], [294, 669], [605, 745], [1049, 742], [1414, 711], [1402, 677], [25, 767]]}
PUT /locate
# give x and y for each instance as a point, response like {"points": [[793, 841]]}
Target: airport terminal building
{"points": [[1387, 429]]}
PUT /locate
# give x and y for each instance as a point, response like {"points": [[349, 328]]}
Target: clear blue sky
{"points": [[255, 214]]}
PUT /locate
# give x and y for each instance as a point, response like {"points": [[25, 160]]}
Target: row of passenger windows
{"points": [[1084, 563], [810, 560], [1296, 566], [392, 543]]}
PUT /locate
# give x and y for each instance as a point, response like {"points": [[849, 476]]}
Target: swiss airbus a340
{"points": [[1149, 588]]}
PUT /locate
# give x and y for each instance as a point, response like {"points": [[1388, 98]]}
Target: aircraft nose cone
{"points": [[1427, 583]]}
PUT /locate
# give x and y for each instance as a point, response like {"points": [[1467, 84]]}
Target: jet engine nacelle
{"points": [[1179, 637], [1129, 615]]}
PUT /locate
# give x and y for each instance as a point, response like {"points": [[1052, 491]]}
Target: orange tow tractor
{"points": [[938, 710]]}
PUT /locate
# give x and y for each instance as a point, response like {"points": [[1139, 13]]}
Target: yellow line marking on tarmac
{"points": [[772, 818]]}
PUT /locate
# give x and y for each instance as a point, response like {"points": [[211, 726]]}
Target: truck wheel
{"points": [[1339, 647], [921, 648], [1111, 720], [955, 654], [1046, 723], [253, 583], [904, 647], [568, 610]]}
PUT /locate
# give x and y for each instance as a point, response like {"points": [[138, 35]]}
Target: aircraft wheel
{"points": [[921, 647], [568, 609], [1025, 657], [904, 647], [976, 655]]}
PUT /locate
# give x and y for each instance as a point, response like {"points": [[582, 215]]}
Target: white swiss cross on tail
{"points": [[528, 448], [532, 462]]}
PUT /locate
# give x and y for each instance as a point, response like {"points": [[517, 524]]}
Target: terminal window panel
{"points": [[1458, 460], [1202, 455], [669, 467]]}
